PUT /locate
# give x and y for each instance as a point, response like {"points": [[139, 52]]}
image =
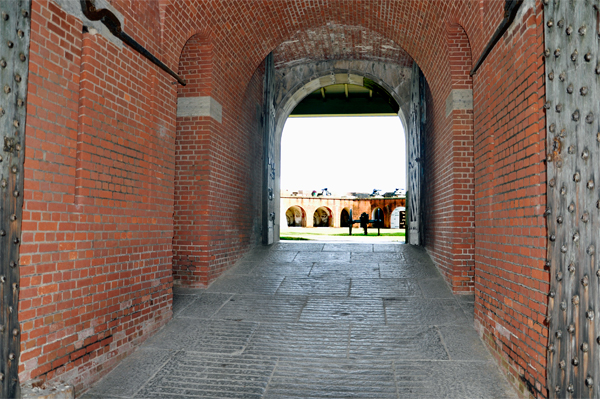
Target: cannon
{"points": [[364, 221]]}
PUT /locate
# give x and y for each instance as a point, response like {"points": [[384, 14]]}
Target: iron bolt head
{"points": [[589, 118], [10, 44], [547, 52], [18, 78], [15, 332], [563, 305], [552, 237], [2, 233], [575, 301], [569, 30], [13, 217], [563, 75], [20, 102], [561, 23], [587, 57], [552, 128], [585, 154], [3, 64], [563, 190], [585, 217], [583, 91], [1, 377], [582, 30], [15, 193], [20, 33], [551, 348], [559, 107], [590, 316], [11, 356], [585, 281], [575, 115], [16, 240], [590, 184], [14, 169], [571, 149], [6, 89], [551, 76], [22, 57], [559, 276], [550, 23], [557, 388], [561, 364], [24, 13], [563, 249], [559, 220], [575, 361], [574, 55], [589, 382], [13, 263], [2, 279], [576, 237], [576, 177], [557, 52], [547, 104], [552, 182], [571, 268], [4, 16], [591, 250], [558, 335], [552, 294]]}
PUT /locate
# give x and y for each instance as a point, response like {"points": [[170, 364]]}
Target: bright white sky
{"points": [[329, 152]]}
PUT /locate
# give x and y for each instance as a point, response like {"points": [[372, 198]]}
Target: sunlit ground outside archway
{"points": [[338, 163]]}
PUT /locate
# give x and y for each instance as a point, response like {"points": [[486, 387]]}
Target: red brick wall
{"points": [[97, 228], [510, 190], [108, 164]]}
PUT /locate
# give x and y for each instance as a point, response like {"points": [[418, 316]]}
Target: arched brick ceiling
{"points": [[339, 42]]}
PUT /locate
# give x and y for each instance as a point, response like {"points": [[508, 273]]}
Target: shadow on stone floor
{"points": [[316, 320]]}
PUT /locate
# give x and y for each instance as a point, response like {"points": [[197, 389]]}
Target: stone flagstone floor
{"points": [[315, 320]]}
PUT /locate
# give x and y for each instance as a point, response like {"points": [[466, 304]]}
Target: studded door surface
{"points": [[414, 159], [14, 62], [268, 126], [573, 159]]}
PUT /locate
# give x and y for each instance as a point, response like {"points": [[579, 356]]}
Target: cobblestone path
{"points": [[315, 320]]}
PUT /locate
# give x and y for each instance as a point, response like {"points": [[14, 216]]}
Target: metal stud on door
{"points": [[573, 165], [14, 71]]}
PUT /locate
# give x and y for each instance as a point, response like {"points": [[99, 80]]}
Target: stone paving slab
{"points": [[300, 340], [133, 374], [343, 310], [241, 284], [205, 305], [333, 270], [396, 343], [415, 311], [435, 288], [384, 287], [322, 257], [303, 320], [207, 336], [377, 257], [408, 270], [450, 380], [348, 247], [274, 309], [332, 380], [314, 286], [201, 376]]}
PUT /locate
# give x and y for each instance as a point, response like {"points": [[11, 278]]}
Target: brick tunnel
{"points": [[120, 183]]}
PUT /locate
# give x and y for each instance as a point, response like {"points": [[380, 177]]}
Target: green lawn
{"points": [[331, 233]]}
